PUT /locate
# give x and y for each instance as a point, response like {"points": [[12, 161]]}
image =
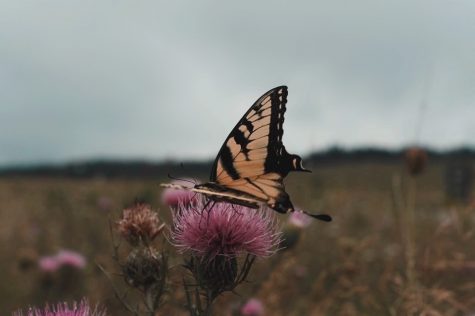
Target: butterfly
{"points": [[252, 163]]}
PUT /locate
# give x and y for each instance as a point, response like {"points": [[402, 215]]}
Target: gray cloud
{"points": [[158, 79]]}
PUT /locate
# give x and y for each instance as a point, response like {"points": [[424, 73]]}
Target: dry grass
{"points": [[356, 265]]}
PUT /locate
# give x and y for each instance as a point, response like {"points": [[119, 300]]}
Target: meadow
{"points": [[397, 244]]}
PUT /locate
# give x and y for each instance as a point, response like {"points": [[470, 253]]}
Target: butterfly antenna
{"points": [[322, 217], [184, 180]]}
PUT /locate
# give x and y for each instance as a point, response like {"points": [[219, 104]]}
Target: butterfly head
{"points": [[297, 164]]}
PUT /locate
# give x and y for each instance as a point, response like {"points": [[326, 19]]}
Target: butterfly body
{"points": [[219, 193], [252, 163]]}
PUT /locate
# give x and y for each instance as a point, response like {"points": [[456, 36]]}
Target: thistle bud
{"points": [[219, 274], [144, 268]]}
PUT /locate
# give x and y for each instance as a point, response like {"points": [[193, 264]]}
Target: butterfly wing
{"points": [[253, 161]]}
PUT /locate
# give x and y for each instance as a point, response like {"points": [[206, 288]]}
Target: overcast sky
{"points": [[150, 79]]}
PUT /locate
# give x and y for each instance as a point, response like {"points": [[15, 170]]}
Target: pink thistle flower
{"points": [[71, 258], [173, 198], [63, 309], [49, 264], [299, 219], [62, 258], [253, 307], [224, 230]]}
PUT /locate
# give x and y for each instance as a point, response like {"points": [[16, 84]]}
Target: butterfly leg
{"points": [[235, 209], [207, 209]]}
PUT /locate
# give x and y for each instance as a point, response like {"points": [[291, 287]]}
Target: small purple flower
{"points": [[292, 231], [299, 219], [49, 264], [61, 259], [71, 258], [253, 307], [173, 198], [63, 309], [225, 229]]}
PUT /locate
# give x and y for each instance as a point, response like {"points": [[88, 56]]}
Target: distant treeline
{"points": [[147, 169]]}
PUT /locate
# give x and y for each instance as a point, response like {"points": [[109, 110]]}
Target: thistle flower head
{"points": [[139, 223], [63, 309], [224, 229]]}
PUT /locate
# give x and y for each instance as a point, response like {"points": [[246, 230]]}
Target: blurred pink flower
{"points": [[173, 198], [49, 264], [225, 229], [61, 259], [63, 309], [292, 231], [253, 307], [300, 219], [71, 258]]}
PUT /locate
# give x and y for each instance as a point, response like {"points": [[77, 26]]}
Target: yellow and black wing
{"points": [[253, 161]]}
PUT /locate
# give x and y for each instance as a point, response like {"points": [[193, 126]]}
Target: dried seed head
{"points": [[139, 224], [416, 160]]}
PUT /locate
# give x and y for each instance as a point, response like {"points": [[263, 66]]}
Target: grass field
{"points": [[396, 246]]}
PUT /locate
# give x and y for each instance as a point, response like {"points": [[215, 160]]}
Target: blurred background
{"points": [[99, 101]]}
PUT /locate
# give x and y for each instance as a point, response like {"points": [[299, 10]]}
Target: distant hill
{"points": [[337, 154], [147, 169]]}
